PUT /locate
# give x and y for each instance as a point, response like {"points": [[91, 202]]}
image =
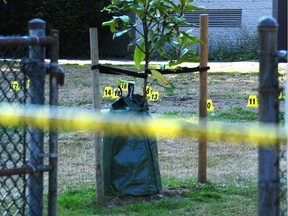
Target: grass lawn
{"points": [[181, 197], [231, 169]]}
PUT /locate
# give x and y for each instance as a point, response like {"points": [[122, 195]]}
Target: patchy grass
{"points": [[180, 197], [235, 114], [231, 169]]}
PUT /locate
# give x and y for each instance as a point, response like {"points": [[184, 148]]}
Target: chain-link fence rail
{"points": [[22, 148], [22, 80]]}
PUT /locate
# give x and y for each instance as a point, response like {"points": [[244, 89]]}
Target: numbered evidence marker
{"points": [[124, 87], [281, 95], [210, 106], [108, 92], [252, 101], [16, 87], [116, 93], [282, 77], [155, 96], [149, 91]]}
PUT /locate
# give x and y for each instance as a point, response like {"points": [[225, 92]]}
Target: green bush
{"points": [[72, 18], [243, 48]]}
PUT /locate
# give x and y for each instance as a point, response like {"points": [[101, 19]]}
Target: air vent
{"points": [[218, 17]]}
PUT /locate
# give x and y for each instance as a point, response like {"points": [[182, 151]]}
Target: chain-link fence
{"points": [[13, 148], [283, 180], [282, 151], [22, 154]]}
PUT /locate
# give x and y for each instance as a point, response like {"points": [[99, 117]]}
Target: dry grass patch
{"points": [[177, 157]]}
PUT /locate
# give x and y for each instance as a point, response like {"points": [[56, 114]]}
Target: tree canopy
{"points": [[72, 18]]}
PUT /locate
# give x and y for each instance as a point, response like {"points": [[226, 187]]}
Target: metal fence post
{"points": [[36, 90], [53, 135], [268, 185]]}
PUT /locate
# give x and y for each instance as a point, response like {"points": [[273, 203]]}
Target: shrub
{"points": [[243, 48], [72, 18]]}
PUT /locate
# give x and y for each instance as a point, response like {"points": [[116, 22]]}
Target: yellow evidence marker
{"points": [[210, 106], [16, 87], [155, 96], [252, 101], [149, 91], [116, 93], [282, 77], [124, 87], [108, 92], [281, 95]]}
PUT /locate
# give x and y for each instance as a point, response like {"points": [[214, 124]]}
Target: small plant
{"points": [[158, 26]]}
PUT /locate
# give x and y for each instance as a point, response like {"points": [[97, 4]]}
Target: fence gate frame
{"points": [[40, 160]]}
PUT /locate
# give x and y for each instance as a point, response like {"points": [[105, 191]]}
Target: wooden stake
{"points": [[202, 142], [97, 140]]}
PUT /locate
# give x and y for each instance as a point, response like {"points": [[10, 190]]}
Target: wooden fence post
{"points": [[97, 140], [202, 142]]}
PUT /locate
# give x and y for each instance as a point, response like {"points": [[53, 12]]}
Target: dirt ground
{"points": [[178, 158]]}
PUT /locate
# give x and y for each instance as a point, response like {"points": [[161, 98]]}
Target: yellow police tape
{"points": [[45, 117]]}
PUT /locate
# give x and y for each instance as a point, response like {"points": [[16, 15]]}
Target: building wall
{"points": [[252, 11], [280, 13]]}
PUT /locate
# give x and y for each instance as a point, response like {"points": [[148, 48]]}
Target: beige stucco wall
{"points": [[252, 11]]}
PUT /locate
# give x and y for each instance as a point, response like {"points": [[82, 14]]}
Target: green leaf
{"points": [[108, 23], [170, 89], [182, 59], [112, 23], [139, 55], [124, 18], [159, 77], [161, 43], [190, 8], [120, 33]]}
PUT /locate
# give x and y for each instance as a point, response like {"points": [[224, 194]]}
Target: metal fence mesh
{"points": [[282, 152], [283, 180], [16, 153]]}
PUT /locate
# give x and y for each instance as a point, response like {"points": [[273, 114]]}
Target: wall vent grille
{"points": [[218, 17]]}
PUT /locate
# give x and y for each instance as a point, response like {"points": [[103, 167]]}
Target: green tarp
{"points": [[130, 163]]}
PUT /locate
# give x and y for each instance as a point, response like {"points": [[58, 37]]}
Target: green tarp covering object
{"points": [[130, 163]]}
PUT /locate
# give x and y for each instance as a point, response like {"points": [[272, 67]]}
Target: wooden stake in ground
{"points": [[202, 160], [97, 140]]}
